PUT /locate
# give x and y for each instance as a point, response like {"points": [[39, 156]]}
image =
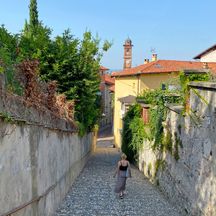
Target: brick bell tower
{"points": [[127, 54]]}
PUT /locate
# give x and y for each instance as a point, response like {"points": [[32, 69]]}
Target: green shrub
{"points": [[131, 140]]}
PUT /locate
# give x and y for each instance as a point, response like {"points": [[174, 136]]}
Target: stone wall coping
{"points": [[14, 110], [203, 85], [175, 108]]}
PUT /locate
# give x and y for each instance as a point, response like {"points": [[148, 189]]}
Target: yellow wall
{"points": [[153, 81], [133, 85], [124, 86]]}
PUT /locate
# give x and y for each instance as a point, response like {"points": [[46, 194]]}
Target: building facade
{"points": [[106, 89], [150, 75], [208, 55]]}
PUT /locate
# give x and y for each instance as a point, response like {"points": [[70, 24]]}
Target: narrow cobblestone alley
{"points": [[92, 193]]}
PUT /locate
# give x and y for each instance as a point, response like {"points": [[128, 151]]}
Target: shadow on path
{"points": [[106, 132], [105, 138]]}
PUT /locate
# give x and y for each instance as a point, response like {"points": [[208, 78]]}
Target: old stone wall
{"points": [[187, 175], [40, 157]]}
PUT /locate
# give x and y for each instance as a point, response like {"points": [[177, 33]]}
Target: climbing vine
{"points": [[158, 99], [135, 131], [185, 89]]}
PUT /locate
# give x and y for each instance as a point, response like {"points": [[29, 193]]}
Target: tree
{"points": [[75, 66], [33, 14], [8, 59], [35, 45], [87, 87], [62, 60], [73, 63], [35, 39]]}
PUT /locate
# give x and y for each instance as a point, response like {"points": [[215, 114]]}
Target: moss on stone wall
{"points": [[167, 142]]}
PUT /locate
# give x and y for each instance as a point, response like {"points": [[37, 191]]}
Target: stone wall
{"points": [[190, 180], [40, 157], [34, 162]]}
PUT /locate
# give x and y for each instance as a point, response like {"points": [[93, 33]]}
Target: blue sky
{"points": [[175, 29]]}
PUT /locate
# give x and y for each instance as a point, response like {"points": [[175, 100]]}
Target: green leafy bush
{"points": [[73, 63], [132, 136], [138, 131], [8, 60], [158, 99]]}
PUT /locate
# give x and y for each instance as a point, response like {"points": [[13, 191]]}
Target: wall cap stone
{"points": [[176, 108]]}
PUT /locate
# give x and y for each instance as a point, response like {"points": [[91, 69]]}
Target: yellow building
{"points": [[130, 82]]}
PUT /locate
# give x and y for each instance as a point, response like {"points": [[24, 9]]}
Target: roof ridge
{"points": [[164, 66], [175, 60]]}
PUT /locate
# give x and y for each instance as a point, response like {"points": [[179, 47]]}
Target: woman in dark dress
{"points": [[123, 171]]}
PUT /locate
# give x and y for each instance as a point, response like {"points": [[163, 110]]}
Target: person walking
{"points": [[123, 171]]}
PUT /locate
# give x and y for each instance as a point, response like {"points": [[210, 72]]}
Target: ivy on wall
{"points": [[135, 131], [158, 99], [184, 81]]}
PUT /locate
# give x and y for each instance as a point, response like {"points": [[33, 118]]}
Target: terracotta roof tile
{"points": [[164, 66], [107, 79], [103, 68]]}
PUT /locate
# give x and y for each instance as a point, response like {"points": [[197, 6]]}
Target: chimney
{"points": [[146, 61], [205, 65], [154, 57]]}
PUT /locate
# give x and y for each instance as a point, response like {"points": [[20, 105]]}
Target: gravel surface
{"points": [[92, 193]]}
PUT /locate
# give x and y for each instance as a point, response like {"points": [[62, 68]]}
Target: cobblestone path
{"points": [[92, 193]]}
